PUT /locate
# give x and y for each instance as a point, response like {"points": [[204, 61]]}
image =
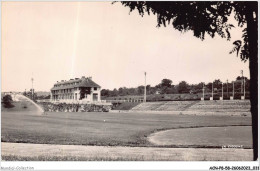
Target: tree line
{"points": [[166, 87]]}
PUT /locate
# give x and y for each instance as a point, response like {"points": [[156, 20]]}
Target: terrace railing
{"points": [[43, 100], [121, 101], [71, 101]]}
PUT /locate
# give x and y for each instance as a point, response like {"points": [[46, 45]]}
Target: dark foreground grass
{"points": [[106, 129]]}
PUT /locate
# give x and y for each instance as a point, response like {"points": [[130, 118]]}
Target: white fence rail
{"points": [[118, 101], [87, 102], [44, 100], [102, 102]]}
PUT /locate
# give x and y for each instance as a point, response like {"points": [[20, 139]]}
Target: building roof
{"points": [[87, 82], [73, 83]]}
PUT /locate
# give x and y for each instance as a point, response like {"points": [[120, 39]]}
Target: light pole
{"points": [[227, 88], [32, 88], [222, 92], [241, 82], [212, 89], [144, 86], [233, 90], [244, 88], [203, 91]]}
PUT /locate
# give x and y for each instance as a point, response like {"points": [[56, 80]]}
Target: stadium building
{"points": [[76, 90]]}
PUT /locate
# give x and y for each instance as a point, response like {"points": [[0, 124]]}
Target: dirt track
{"points": [[239, 136], [48, 151]]}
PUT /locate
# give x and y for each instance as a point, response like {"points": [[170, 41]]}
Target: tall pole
{"points": [[241, 82], [233, 90], [144, 86], [222, 92], [32, 88], [203, 90], [244, 88], [212, 89], [227, 88]]}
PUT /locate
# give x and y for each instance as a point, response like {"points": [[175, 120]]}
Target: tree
{"points": [[148, 88], [209, 87], [104, 92], [31, 94], [211, 17], [217, 84], [140, 90], [114, 92], [166, 83], [84, 91], [7, 101], [120, 91], [47, 97], [183, 87], [165, 86], [152, 90], [24, 93], [199, 87], [131, 91]]}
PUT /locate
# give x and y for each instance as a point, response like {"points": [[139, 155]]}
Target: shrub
{"points": [[7, 101]]}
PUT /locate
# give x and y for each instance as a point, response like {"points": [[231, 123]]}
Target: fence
{"points": [[121, 101], [102, 102], [44, 100]]}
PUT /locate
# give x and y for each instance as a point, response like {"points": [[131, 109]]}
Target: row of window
{"points": [[65, 97], [67, 90], [56, 97]]}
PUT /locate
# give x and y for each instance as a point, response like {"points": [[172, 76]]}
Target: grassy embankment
{"points": [[20, 106]]}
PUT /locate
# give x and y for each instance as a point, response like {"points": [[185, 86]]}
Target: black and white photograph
{"points": [[129, 81]]}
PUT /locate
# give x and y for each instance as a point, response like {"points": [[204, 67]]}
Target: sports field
{"points": [[106, 129]]}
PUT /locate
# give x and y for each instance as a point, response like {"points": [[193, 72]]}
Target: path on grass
{"points": [[49, 151], [239, 136]]}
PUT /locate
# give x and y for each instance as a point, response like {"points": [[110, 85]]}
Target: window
{"points": [[95, 88], [95, 97]]}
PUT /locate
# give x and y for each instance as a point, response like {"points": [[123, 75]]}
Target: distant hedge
{"points": [[63, 107]]}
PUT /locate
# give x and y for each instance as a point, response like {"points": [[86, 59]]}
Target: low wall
{"points": [[208, 113], [63, 107]]}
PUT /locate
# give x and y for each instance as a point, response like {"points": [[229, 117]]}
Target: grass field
{"points": [[107, 129]]}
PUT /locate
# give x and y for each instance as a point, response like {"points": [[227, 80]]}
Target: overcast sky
{"points": [[56, 41]]}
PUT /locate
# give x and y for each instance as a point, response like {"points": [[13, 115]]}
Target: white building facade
{"points": [[76, 91]]}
